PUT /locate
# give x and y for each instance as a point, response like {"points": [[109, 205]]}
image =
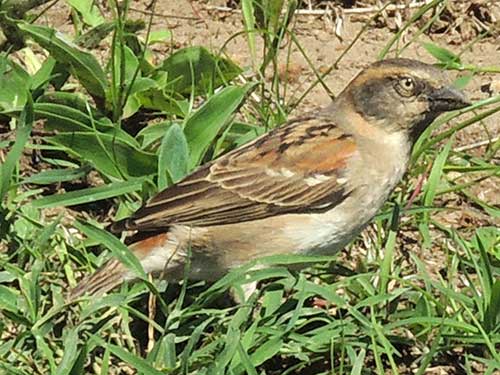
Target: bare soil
{"points": [[214, 24]]}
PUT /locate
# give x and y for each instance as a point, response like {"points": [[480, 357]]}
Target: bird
{"points": [[307, 187]]}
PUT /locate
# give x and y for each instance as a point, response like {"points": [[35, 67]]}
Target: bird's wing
{"points": [[297, 168]]}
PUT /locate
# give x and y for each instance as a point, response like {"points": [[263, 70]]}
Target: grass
{"points": [[385, 311]]}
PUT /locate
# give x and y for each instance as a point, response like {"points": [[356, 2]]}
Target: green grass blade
{"points": [[249, 21], [22, 134], [89, 195], [417, 15], [141, 365], [387, 262], [70, 353], [196, 69], [57, 175]]}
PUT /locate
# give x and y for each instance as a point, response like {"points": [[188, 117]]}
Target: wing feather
{"points": [[293, 169]]}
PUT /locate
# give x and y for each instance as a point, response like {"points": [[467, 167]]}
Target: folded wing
{"points": [[297, 168]]}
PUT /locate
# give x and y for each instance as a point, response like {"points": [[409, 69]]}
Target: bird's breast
{"points": [[372, 176]]}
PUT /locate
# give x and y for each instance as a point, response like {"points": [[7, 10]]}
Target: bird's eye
{"points": [[408, 83], [406, 86]]}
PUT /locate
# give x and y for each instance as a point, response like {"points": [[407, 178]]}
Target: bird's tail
{"points": [[153, 252], [107, 277]]}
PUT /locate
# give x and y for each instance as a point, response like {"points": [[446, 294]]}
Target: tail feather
{"points": [[153, 253], [107, 277]]}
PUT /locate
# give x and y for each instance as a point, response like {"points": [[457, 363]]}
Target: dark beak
{"points": [[447, 99]]}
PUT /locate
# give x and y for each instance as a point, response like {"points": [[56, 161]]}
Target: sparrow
{"points": [[308, 187]]}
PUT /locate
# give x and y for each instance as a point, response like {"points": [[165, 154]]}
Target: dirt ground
{"points": [[213, 23]]}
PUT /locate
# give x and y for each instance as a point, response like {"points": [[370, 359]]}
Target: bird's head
{"points": [[403, 95]]}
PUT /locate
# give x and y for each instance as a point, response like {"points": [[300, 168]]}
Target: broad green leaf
{"points": [[60, 75], [326, 292], [23, 224], [139, 89], [267, 350], [14, 85], [231, 346], [8, 299], [130, 64], [203, 126], [72, 100], [435, 175], [272, 10], [271, 302], [159, 36], [81, 64], [430, 190], [152, 133], [23, 132], [89, 11], [111, 300], [432, 321], [257, 131], [489, 238], [43, 75], [357, 369], [246, 363], [63, 118], [109, 154], [80, 362], [44, 349], [30, 290], [167, 349], [68, 117], [173, 157], [11, 370], [386, 268], [89, 195], [196, 68], [136, 362], [193, 341], [95, 35], [463, 81], [156, 98], [7, 277]]}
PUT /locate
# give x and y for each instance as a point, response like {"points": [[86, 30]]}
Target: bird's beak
{"points": [[447, 99]]}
